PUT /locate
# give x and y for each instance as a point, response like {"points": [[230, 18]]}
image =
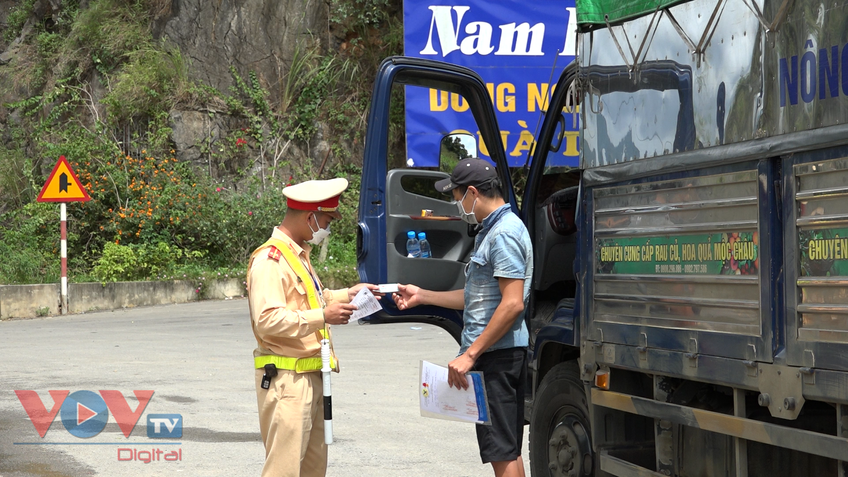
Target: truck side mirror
{"points": [[454, 148]]}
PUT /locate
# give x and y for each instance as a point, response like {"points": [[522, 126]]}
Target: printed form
{"points": [[440, 401], [366, 304]]}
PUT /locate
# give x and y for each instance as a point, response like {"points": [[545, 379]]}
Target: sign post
{"points": [[63, 186]]}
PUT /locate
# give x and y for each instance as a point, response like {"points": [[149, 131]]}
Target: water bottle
{"points": [[413, 250], [424, 245]]}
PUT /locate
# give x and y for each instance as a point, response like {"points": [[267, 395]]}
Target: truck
{"points": [[689, 306]]}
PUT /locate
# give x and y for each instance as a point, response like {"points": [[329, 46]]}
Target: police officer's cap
{"points": [[317, 196]]}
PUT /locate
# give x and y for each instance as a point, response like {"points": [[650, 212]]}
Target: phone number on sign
{"points": [[678, 268]]}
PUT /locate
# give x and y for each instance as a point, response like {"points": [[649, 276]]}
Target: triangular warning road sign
{"points": [[63, 185]]}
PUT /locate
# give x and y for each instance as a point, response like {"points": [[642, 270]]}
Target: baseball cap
{"points": [[468, 172]]}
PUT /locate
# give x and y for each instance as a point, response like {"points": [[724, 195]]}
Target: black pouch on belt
{"points": [[270, 372]]}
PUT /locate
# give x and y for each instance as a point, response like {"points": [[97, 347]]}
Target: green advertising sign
{"points": [[824, 252], [736, 253]]}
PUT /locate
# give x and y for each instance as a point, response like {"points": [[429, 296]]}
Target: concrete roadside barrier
{"points": [[29, 301]]}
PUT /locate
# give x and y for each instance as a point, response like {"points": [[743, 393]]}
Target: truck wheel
{"points": [[560, 442]]}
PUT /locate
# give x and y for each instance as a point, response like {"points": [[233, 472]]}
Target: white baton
{"points": [[328, 395]]}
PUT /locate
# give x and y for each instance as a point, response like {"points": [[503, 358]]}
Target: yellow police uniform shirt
{"points": [[282, 322]]}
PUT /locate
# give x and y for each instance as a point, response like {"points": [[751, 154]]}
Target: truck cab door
{"points": [[408, 194], [394, 192]]}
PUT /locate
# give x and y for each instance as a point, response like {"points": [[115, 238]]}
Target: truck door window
{"points": [[453, 148], [425, 186], [429, 147]]}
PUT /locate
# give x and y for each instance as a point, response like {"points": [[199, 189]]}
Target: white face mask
{"points": [[467, 217], [319, 235]]}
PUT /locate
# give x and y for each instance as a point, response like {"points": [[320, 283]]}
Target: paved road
{"points": [[197, 359]]}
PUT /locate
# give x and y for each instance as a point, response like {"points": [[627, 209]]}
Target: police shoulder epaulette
{"points": [[274, 253]]}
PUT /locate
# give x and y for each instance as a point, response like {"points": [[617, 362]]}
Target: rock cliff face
{"points": [[251, 35], [259, 36], [5, 8]]}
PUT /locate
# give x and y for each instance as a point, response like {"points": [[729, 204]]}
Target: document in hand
{"points": [[366, 304], [440, 401]]}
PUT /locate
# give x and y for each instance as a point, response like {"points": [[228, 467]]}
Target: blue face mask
{"points": [[467, 217]]}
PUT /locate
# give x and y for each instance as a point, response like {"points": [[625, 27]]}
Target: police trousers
{"points": [[291, 421]]}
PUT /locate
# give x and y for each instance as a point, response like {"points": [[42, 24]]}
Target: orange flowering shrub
{"points": [[149, 201], [156, 219]]}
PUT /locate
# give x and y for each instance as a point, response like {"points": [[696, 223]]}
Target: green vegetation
{"points": [[29, 248], [17, 18], [152, 217]]}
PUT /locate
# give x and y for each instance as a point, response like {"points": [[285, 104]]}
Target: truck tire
{"points": [[560, 439]]}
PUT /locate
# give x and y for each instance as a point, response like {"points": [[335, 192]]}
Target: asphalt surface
{"points": [[197, 359]]}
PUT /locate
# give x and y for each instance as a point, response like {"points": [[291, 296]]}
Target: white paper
{"points": [[388, 288], [439, 400], [366, 304]]}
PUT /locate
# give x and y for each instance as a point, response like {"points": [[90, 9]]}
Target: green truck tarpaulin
{"points": [[593, 13]]}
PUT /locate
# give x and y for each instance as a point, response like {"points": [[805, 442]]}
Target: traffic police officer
{"points": [[290, 312]]}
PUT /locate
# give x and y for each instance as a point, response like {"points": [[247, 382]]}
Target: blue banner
{"points": [[518, 48]]}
